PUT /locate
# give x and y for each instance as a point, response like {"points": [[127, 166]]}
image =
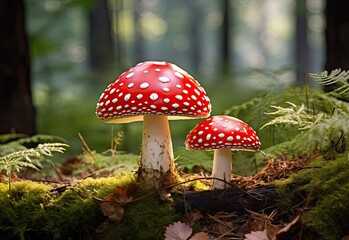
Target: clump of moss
{"points": [[23, 210], [145, 219], [36, 211], [325, 187]]}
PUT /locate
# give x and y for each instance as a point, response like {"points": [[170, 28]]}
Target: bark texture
{"points": [[16, 107]]}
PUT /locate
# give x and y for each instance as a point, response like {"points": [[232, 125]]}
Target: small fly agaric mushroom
{"points": [[153, 92], [222, 134]]}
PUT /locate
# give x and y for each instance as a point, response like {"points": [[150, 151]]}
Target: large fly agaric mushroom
{"points": [[153, 92], [222, 134]]}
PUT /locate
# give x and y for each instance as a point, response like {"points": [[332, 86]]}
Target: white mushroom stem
{"points": [[157, 152], [221, 167]]}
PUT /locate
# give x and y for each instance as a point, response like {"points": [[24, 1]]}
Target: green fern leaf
{"points": [[338, 78]]}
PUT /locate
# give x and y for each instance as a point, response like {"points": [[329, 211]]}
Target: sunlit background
{"points": [[236, 49]]}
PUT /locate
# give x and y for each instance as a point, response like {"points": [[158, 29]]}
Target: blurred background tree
{"points": [[16, 108], [236, 49]]}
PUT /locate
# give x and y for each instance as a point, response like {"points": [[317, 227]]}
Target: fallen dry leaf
{"points": [[178, 231], [256, 235], [113, 204], [200, 236], [192, 217], [112, 210]]}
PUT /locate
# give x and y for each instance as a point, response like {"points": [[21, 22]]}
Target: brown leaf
{"points": [[193, 217], [112, 210], [223, 227], [178, 231], [113, 204], [287, 230], [256, 235], [200, 236]]}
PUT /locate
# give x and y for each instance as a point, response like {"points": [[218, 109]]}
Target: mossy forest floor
{"points": [[305, 159], [311, 205]]}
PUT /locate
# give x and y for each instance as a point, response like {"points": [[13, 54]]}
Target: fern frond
{"points": [[294, 115], [336, 77], [24, 159]]}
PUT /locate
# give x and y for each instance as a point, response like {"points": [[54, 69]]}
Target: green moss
{"points": [[146, 219], [23, 210], [34, 211], [326, 188]]}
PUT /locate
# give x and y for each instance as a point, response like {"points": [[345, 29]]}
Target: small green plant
{"points": [[16, 161], [295, 115]]}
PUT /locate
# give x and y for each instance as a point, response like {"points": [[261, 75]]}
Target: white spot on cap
{"points": [[164, 79], [130, 85], [200, 132], [208, 136], [179, 97], [175, 105], [193, 97], [114, 100], [230, 138], [221, 135], [130, 75], [112, 91], [153, 106], [197, 92], [110, 109], [165, 89], [178, 74], [238, 137], [188, 85], [118, 107], [185, 91], [139, 96], [186, 104], [178, 86], [144, 85], [127, 97], [237, 128], [157, 69], [200, 140], [164, 108], [154, 96], [159, 63], [107, 103], [166, 100]]}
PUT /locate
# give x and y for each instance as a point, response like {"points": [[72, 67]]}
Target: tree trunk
{"points": [[225, 48], [337, 36], [302, 49], [101, 45], [16, 107]]}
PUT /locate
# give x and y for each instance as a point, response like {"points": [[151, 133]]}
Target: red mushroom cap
{"points": [[153, 87], [222, 132]]}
